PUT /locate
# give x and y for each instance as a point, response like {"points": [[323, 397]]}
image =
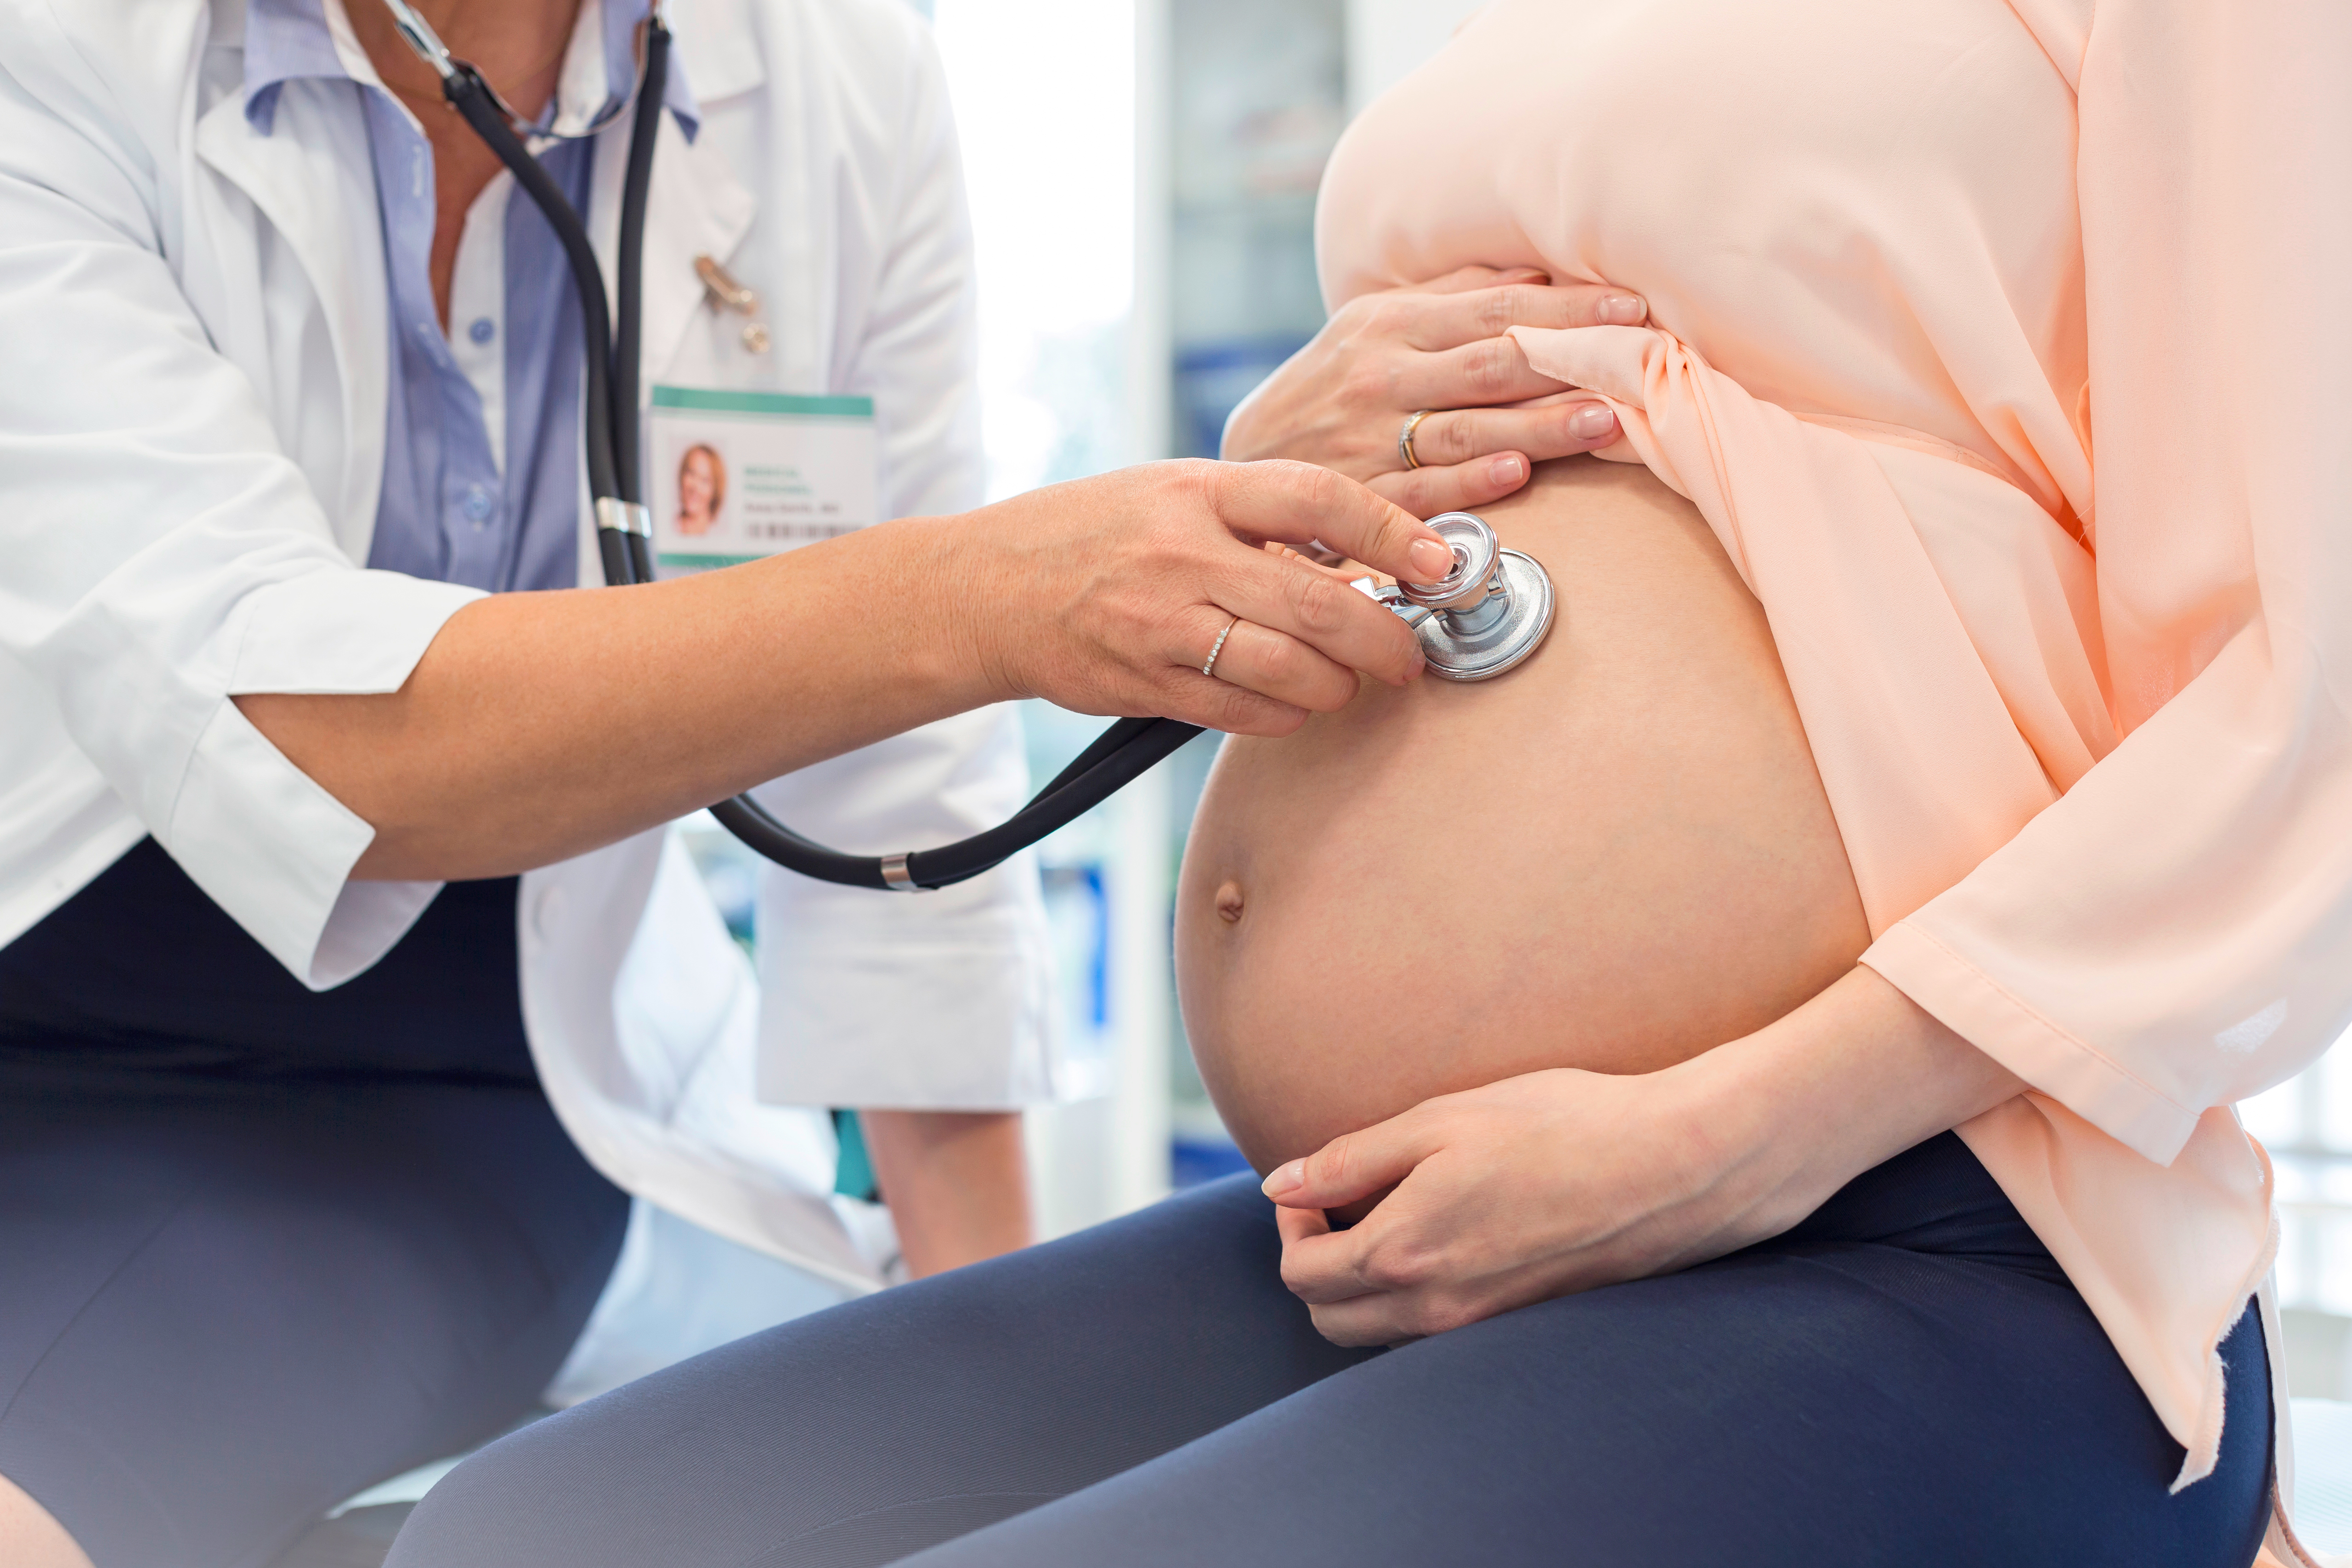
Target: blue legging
{"points": [[1905, 1378]]}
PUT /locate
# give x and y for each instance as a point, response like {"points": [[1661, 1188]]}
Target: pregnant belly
{"points": [[1615, 857]]}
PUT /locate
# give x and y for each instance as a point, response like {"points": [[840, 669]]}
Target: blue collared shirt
{"points": [[481, 477]]}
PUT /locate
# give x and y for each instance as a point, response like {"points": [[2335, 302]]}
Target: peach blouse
{"points": [[2003, 344]]}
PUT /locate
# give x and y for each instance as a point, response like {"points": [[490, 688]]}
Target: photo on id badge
{"points": [[736, 476]]}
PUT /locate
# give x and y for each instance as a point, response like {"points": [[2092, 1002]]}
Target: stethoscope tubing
{"points": [[1121, 753]]}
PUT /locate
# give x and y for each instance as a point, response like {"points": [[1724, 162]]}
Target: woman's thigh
{"points": [[1812, 1404], [1803, 1417], [229, 1306], [856, 1435], [1906, 1377]]}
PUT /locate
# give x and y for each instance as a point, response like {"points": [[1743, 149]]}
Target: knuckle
{"points": [[1314, 599], [1332, 1164], [1394, 1265], [1241, 712], [1277, 662], [1295, 1277], [1321, 490], [1498, 308], [1419, 494], [1443, 1315], [1322, 485], [1488, 366], [1454, 438], [1366, 385], [1193, 486], [1382, 315]]}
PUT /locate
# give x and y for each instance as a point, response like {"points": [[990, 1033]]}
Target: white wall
{"points": [[1060, 108], [1387, 39]]}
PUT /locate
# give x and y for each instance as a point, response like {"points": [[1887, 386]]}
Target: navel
{"points": [[1229, 901]]}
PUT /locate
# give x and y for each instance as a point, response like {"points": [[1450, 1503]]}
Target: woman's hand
{"points": [[1342, 401], [1108, 595], [1561, 1181]]}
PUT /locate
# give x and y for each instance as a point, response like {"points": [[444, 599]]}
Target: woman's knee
{"points": [[484, 1511]]}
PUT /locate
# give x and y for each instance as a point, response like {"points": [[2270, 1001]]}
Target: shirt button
{"points": [[483, 330], [547, 913], [478, 503]]}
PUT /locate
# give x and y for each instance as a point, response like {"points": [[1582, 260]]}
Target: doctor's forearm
{"points": [[538, 726]]}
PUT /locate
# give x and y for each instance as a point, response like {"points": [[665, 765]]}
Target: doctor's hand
{"points": [[1562, 1180], [1343, 399], [1109, 594]]}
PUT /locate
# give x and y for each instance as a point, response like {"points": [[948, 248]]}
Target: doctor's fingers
{"points": [[1257, 659], [1302, 505], [1299, 609]]}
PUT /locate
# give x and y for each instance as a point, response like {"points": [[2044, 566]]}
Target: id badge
{"points": [[736, 476]]}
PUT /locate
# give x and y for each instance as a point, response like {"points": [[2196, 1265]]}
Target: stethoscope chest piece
{"points": [[1490, 612]]}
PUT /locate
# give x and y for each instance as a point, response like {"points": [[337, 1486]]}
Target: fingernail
{"points": [[1431, 560], [1591, 422], [1622, 311], [1286, 1179], [1506, 470]]}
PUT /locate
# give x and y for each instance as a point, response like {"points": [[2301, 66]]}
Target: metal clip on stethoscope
{"points": [[1488, 614]]}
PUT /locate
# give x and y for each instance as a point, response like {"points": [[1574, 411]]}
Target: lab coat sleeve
{"points": [[163, 553], [2175, 932], [943, 1000]]}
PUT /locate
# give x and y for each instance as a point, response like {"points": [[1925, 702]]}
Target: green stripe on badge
{"points": [[700, 560], [711, 400]]}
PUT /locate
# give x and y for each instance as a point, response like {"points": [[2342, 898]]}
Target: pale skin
{"points": [[956, 1182], [1550, 1182], [538, 726], [697, 484], [1642, 863]]}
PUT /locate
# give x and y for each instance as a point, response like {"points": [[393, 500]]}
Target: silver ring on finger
{"points": [[1405, 436], [1208, 665]]}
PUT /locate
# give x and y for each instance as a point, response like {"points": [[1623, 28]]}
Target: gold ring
{"points": [[1404, 437], [1208, 665]]}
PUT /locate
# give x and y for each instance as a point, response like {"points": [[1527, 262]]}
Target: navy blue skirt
{"points": [[262, 1247]]}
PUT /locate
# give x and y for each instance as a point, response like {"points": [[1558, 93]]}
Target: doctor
{"points": [[316, 1123]]}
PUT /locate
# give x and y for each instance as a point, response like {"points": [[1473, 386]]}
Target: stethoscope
{"points": [[1484, 616]]}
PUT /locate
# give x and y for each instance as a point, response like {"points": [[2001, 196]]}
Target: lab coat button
{"points": [[546, 913], [478, 502]]}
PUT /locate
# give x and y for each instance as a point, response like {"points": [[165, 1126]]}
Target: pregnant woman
{"points": [[1775, 1046]]}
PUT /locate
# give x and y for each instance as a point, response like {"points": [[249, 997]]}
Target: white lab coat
{"points": [[193, 323]]}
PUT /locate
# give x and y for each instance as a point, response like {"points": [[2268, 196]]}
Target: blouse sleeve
{"points": [[2174, 932]]}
